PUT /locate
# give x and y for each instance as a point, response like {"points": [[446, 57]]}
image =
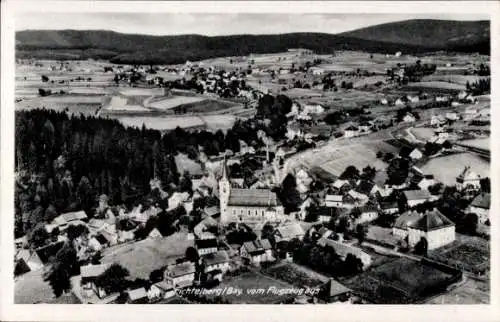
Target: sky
{"points": [[215, 24]]}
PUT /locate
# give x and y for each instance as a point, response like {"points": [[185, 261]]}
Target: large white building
{"points": [[247, 205], [468, 179]]}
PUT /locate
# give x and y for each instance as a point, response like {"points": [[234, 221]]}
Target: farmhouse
{"points": [[389, 208], [89, 274], [481, 207], [468, 179], [409, 118], [216, 261], [160, 290], [416, 197], [437, 120], [316, 70], [344, 249], [180, 275], [137, 296], [433, 227], [368, 213], [289, 231], [257, 251], [247, 205], [206, 246]]}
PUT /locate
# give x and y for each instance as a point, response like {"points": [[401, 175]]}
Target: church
{"points": [[247, 205]]}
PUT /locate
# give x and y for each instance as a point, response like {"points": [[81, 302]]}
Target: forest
{"points": [[63, 163]]}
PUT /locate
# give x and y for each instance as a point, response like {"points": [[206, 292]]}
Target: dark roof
{"points": [[388, 204], [417, 194], [334, 288], [405, 151], [364, 187], [253, 197], [431, 220], [46, 252], [216, 258], [206, 243], [257, 246], [351, 128], [101, 239], [482, 201]]}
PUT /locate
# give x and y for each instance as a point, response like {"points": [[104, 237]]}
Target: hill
{"points": [[414, 36], [445, 34]]}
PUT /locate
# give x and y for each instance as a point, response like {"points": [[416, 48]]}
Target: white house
{"points": [[416, 197], [368, 214], [452, 116], [161, 290], [137, 296], [180, 275], [316, 70], [416, 154], [206, 246], [389, 208], [468, 179], [481, 207], [89, 274], [335, 200], [409, 118], [351, 131], [257, 251]]}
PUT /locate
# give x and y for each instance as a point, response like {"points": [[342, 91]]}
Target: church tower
{"points": [[224, 191]]}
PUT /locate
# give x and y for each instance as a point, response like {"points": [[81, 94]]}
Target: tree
{"points": [[186, 185], [75, 231], [421, 247], [470, 223], [289, 195], [436, 188], [61, 268], [39, 236], [353, 264], [113, 279], [368, 173], [485, 184], [361, 232], [398, 171], [350, 173], [380, 154], [45, 79], [192, 254], [268, 233]]}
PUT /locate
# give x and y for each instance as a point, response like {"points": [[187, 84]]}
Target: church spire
{"points": [[224, 169]]}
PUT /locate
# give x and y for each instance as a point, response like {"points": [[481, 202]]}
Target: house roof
{"points": [[93, 270], [137, 294], [431, 220], [46, 252], [369, 208], [216, 258], [334, 198], [388, 205], [206, 243], [468, 174], [181, 269], [340, 183], [344, 249], [334, 288], [97, 223], [352, 128], [212, 211], [482, 200], [70, 216], [403, 221], [164, 285], [257, 245], [253, 198], [101, 239], [290, 230], [416, 194]]}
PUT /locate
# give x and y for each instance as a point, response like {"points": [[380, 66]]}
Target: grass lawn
{"points": [[144, 256], [471, 292], [296, 275], [30, 288], [250, 281], [400, 281], [447, 168]]}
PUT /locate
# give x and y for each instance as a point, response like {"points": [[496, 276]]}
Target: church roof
{"points": [[431, 220], [468, 174], [253, 198]]}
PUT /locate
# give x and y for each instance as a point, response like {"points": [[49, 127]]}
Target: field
{"points": [[74, 104], [469, 253], [296, 275], [252, 280], [401, 281], [144, 256], [171, 102], [434, 86], [30, 288], [447, 168], [423, 133], [119, 103], [455, 79], [472, 291], [478, 143]]}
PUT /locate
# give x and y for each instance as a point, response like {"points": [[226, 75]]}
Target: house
{"points": [[384, 101], [468, 180], [409, 118], [416, 197], [343, 250], [425, 182], [433, 227], [89, 274], [437, 120], [216, 261], [480, 206], [339, 184], [316, 71], [63, 220], [365, 126], [257, 251], [137, 296], [351, 131], [98, 242], [365, 188], [325, 214], [389, 207], [333, 291], [400, 227], [334, 200], [451, 116], [161, 290], [288, 232], [399, 102], [416, 154], [155, 234], [206, 246], [368, 214], [180, 275]]}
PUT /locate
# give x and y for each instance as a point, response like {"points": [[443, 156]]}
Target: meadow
{"points": [[447, 168]]}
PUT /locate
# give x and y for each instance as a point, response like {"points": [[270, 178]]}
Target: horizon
{"points": [[211, 25]]}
